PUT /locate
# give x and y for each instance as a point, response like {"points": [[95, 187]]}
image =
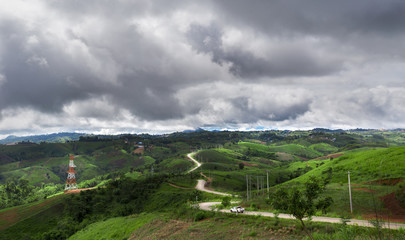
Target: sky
{"points": [[127, 66]]}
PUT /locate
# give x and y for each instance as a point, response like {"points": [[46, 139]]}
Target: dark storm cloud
{"points": [[276, 112], [37, 77], [280, 63], [318, 16], [45, 77]]}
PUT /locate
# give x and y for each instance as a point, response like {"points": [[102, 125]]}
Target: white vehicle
{"points": [[237, 209]]}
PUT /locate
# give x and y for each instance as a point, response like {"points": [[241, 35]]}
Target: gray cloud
{"points": [[317, 16], [282, 62], [158, 65]]}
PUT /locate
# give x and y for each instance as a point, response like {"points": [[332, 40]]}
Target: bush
{"points": [[200, 216], [400, 194], [254, 206], [226, 201]]}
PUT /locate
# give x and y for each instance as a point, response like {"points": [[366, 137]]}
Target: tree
{"points": [[302, 204], [226, 201], [196, 195]]}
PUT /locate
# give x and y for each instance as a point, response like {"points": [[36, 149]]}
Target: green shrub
{"points": [[400, 194], [254, 206], [200, 216], [226, 201]]}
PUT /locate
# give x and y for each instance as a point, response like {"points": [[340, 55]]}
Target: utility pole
{"points": [[350, 193], [263, 186], [250, 188], [247, 188], [268, 192]]}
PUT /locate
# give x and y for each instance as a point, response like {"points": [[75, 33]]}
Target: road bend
{"points": [[190, 156], [207, 206]]}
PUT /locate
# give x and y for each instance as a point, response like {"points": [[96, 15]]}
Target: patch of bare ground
{"points": [[389, 181], [363, 190], [284, 156], [212, 228], [161, 229], [250, 164], [171, 184], [139, 150], [393, 212]]}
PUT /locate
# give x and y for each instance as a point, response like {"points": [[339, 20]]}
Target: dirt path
{"points": [[207, 207], [79, 190], [171, 184], [201, 183]]}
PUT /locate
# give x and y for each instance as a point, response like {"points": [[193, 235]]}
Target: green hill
{"points": [[364, 166], [143, 186], [30, 221], [114, 228]]}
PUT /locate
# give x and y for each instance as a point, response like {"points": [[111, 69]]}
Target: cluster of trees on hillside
{"points": [[121, 197], [14, 192]]}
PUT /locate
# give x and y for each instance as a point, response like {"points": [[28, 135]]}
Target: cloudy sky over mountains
{"points": [[159, 66]]}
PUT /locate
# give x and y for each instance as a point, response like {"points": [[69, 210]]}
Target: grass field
{"points": [[114, 228], [364, 166]]}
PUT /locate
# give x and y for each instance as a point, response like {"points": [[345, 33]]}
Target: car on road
{"points": [[237, 209]]}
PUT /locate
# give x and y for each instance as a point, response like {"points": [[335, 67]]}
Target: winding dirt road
{"points": [[207, 207], [201, 186], [190, 156]]}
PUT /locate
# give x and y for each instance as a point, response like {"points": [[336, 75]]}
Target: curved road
{"points": [[201, 186], [190, 156], [207, 207]]}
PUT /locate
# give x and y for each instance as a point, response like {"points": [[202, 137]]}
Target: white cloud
{"points": [[39, 61]]}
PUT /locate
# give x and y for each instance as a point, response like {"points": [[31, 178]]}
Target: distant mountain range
{"points": [[69, 136], [54, 137]]}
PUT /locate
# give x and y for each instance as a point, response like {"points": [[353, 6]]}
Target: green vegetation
{"points": [[142, 189], [364, 166], [114, 228], [302, 204]]}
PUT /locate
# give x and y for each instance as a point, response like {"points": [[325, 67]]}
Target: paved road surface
{"points": [[207, 207]]}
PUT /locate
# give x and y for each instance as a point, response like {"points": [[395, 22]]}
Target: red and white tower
{"points": [[71, 178]]}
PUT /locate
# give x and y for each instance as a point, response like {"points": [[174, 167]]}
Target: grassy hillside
{"points": [[374, 174], [324, 148], [364, 166], [114, 228], [221, 226], [31, 220]]}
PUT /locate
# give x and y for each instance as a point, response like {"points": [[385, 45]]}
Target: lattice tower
{"points": [[71, 178]]}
